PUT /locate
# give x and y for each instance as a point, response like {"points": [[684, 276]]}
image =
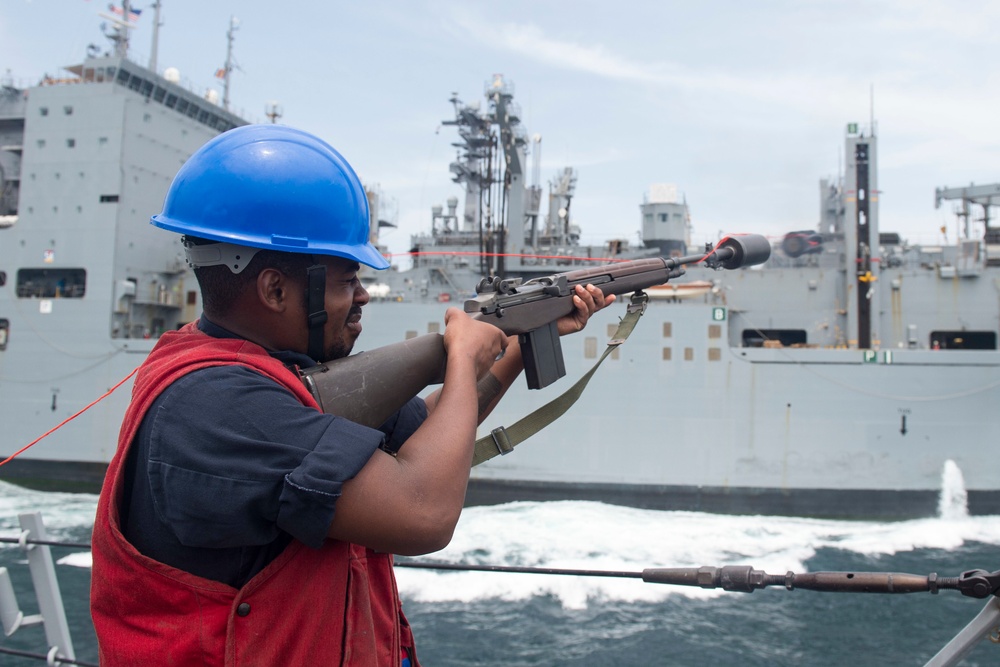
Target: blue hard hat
{"points": [[275, 188]]}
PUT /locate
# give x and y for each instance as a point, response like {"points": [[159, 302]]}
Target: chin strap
{"points": [[316, 306]]}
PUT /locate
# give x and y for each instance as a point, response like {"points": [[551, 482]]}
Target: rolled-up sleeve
{"points": [[310, 491], [403, 424]]}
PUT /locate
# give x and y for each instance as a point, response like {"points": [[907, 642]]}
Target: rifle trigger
{"points": [[501, 440]]}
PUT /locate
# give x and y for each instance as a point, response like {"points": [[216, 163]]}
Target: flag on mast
{"points": [[133, 14]]}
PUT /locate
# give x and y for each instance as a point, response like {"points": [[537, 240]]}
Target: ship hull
{"points": [[795, 388], [684, 421]]}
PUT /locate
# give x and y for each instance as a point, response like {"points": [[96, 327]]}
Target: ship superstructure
{"points": [[86, 284], [835, 380]]}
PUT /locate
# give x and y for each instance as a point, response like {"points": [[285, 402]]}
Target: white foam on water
{"points": [[954, 500], [65, 515], [79, 559], [60, 511], [596, 536]]}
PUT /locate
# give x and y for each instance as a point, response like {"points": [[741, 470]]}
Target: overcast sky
{"points": [[741, 105]]}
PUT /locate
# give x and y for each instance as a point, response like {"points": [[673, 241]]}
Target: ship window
{"points": [[4, 328], [51, 283], [68, 109], [3, 278], [182, 105], [664, 217], [171, 101], [122, 77], [773, 337], [43, 111], [71, 143], [714, 354], [159, 94], [109, 199], [41, 143], [147, 88], [963, 340]]}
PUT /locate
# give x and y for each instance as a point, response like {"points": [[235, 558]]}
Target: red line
{"points": [[68, 419], [572, 258]]}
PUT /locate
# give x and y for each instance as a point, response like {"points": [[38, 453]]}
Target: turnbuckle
{"points": [[979, 583]]}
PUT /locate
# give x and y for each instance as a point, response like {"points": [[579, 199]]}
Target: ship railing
{"points": [[34, 541], [974, 583]]}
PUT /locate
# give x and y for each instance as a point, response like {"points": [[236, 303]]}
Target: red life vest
{"points": [[337, 605]]}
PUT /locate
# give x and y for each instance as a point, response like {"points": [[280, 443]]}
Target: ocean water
{"points": [[487, 618]]}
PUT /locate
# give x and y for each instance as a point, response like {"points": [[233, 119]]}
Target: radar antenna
{"points": [[273, 111], [123, 19]]}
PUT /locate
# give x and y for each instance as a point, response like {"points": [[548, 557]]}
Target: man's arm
{"points": [[410, 503]]}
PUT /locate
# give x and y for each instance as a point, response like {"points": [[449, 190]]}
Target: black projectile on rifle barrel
{"points": [[530, 308]]}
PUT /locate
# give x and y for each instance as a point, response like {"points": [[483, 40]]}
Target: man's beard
{"points": [[338, 351], [342, 348]]}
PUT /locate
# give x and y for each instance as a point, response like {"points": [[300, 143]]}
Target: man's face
{"points": [[344, 298]]}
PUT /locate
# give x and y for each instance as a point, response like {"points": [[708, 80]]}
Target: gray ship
{"points": [[837, 380]]}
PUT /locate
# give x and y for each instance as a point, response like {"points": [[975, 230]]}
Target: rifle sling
{"points": [[502, 440]]}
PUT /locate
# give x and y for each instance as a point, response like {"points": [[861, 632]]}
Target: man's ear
{"points": [[273, 290]]}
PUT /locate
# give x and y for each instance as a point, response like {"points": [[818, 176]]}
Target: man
{"points": [[238, 524]]}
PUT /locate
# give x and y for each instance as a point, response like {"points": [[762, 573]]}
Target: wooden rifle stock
{"points": [[369, 387]]}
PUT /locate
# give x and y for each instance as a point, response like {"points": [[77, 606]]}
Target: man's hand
{"points": [[481, 342], [588, 301]]}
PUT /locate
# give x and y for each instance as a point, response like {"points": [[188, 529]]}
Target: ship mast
{"points": [[156, 36], [228, 69], [861, 237], [121, 46], [120, 35]]}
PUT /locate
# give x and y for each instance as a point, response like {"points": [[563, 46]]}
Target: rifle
{"points": [[369, 387]]}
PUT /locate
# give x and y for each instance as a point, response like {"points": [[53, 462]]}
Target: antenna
{"points": [[273, 111], [871, 111], [233, 25]]}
